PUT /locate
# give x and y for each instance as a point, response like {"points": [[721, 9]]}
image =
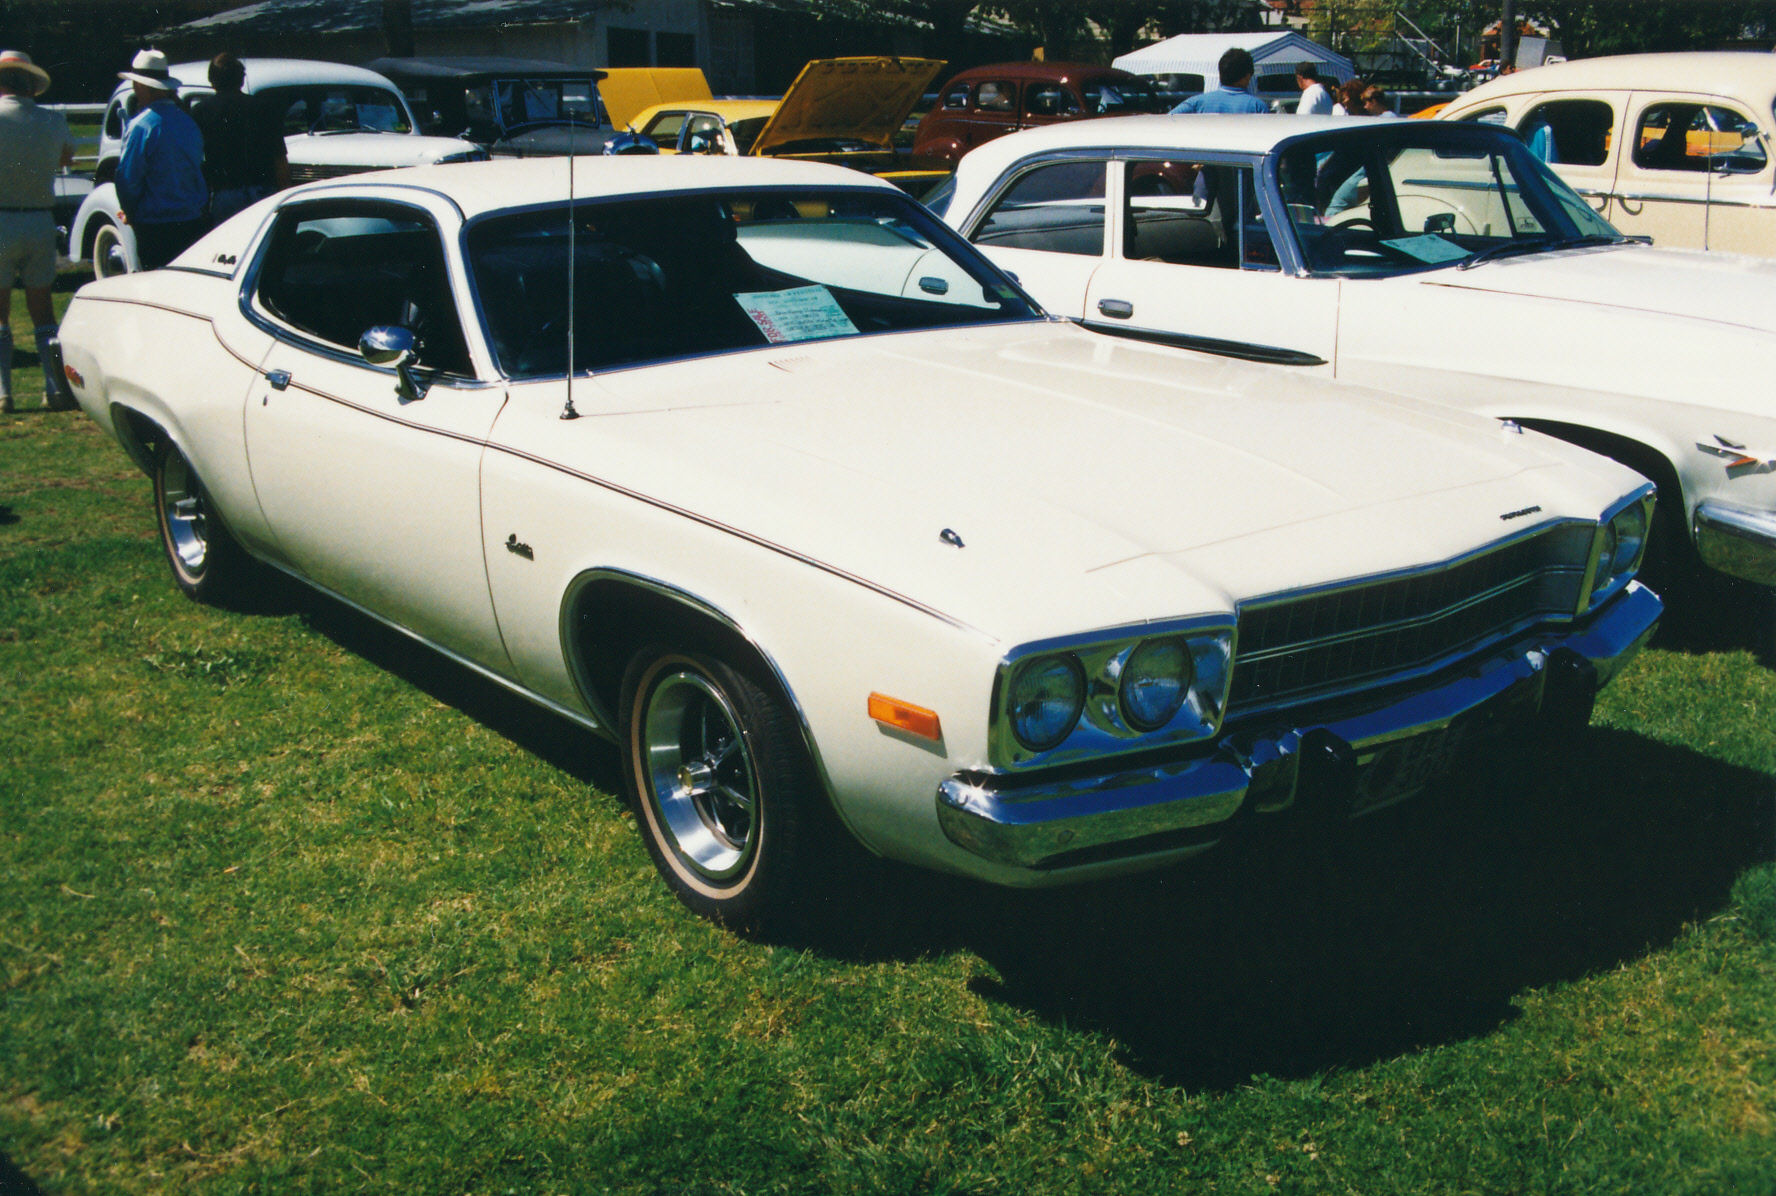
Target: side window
{"points": [[956, 98], [1193, 214], [1058, 207], [1690, 136], [1487, 116], [664, 129], [116, 118], [996, 96], [1050, 99], [1570, 132], [703, 135], [333, 270]]}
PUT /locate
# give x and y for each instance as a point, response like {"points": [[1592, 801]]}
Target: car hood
{"points": [[1728, 288], [1091, 481], [371, 151], [550, 140], [863, 99]]}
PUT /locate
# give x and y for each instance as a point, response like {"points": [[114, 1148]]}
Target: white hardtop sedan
{"points": [[337, 120], [1436, 260], [835, 533], [1671, 146]]}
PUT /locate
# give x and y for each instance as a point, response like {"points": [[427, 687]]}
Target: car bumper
{"points": [[1738, 541], [1358, 760]]}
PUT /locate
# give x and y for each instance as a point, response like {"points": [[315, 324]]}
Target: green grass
{"points": [[287, 906]]}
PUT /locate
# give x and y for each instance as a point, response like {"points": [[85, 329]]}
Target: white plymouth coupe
{"points": [[1435, 260], [758, 469]]}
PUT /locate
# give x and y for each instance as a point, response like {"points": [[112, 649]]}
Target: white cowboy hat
{"points": [[149, 68], [18, 60]]}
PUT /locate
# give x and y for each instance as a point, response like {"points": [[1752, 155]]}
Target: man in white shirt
{"points": [[1315, 99]]}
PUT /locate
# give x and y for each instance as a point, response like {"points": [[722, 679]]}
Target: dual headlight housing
{"points": [[1619, 547], [1112, 692]]}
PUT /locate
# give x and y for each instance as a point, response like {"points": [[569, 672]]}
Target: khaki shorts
{"points": [[27, 249]]}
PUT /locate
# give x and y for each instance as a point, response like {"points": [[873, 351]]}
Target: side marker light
{"points": [[904, 716]]}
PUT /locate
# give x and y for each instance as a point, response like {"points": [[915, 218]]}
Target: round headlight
{"points": [[1630, 527], [1155, 682], [1046, 697], [1606, 557]]}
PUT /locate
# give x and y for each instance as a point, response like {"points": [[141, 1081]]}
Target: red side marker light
{"points": [[73, 375]]}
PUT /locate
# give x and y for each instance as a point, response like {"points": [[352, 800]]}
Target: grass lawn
{"points": [[287, 905]]}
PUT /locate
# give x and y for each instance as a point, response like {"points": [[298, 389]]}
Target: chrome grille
{"points": [[1299, 647], [308, 172]]}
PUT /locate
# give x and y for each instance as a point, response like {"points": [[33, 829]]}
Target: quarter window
{"points": [[1058, 207], [1690, 136], [1487, 116], [333, 271], [1570, 132]]}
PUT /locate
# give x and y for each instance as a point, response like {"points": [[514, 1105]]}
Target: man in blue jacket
{"points": [[1235, 68], [160, 181]]}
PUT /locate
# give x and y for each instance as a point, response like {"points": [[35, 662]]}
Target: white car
{"points": [[835, 533], [337, 120], [1435, 260], [1671, 146]]}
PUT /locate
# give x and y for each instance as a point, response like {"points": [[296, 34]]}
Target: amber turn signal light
{"points": [[904, 716]]}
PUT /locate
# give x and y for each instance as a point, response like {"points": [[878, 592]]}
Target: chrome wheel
{"points": [[108, 256], [184, 516], [700, 776]]}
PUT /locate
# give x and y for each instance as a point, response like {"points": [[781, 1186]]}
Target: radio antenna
{"points": [[567, 408]]}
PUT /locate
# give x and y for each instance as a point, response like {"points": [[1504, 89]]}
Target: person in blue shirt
{"points": [[160, 180], [1236, 68]]}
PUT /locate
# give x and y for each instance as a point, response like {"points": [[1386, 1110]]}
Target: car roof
{"points": [[477, 188], [281, 72], [728, 110], [1059, 71], [1750, 74], [478, 67]]}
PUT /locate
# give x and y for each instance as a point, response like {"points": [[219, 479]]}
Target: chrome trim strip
{"points": [[1737, 541], [1177, 806], [1688, 200]]}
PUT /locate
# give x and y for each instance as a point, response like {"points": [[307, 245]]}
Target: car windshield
{"points": [[533, 101], [718, 272], [1392, 200], [337, 108]]}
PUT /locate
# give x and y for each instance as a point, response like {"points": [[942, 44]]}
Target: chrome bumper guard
{"points": [[1738, 541], [1352, 763]]}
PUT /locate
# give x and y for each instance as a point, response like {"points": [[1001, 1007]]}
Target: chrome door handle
{"points": [[1119, 309], [278, 378]]}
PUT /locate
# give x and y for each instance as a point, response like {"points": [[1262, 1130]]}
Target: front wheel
{"points": [[723, 787], [110, 255], [207, 564]]}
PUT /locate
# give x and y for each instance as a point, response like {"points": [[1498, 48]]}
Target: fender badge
{"points": [[1518, 514], [1733, 454], [518, 547]]}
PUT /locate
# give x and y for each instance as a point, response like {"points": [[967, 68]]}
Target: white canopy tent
{"points": [[1275, 53]]}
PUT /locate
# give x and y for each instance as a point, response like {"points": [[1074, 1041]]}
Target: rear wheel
{"points": [[207, 563], [723, 787], [109, 258]]}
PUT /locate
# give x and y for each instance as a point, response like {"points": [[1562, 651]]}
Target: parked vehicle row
{"points": [[634, 437]]}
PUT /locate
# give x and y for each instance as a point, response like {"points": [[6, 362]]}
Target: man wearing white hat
{"points": [[34, 144], [160, 181]]}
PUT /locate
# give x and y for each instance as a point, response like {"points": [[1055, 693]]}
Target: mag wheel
{"points": [[207, 564]]}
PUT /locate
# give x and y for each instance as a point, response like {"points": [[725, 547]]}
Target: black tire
{"points": [[207, 563], [723, 789]]}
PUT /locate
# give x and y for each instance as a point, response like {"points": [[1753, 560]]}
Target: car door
{"points": [[1194, 261], [1692, 158], [370, 486], [992, 112], [1579, 135], [1049, 228]]}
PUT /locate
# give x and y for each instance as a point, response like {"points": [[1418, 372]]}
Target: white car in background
{"points": [[836, 535], [1671, 146], [1436, 260], [337, 120]]}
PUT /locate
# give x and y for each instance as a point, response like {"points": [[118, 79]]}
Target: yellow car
{"points": [[839, 110]]}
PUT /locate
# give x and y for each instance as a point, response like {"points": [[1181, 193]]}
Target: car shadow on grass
{"points": [[1279, 954], [1720, 614], [14, 1182], [1414, 927]]}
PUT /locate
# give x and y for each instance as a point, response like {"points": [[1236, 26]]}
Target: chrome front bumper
{"points": [[1356, 760], [1738, 541]]}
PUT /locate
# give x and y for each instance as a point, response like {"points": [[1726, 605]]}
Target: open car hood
{"points": [[854, 99]]}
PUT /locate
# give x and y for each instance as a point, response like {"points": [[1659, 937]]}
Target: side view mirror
{"points": [[392, 345]]}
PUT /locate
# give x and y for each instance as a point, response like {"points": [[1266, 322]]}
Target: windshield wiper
{"points": [[1539, 245]]}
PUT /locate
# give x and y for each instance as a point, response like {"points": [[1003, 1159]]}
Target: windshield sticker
{"points": [[800, 314], [1428, 248]]}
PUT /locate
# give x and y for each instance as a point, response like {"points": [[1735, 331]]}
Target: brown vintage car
{"points": [[985, 102]]}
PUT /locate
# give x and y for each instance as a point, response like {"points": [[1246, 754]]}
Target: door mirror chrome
{"points": [[392, 345]]}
